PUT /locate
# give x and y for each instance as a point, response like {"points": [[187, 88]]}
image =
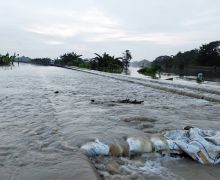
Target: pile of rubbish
{"points": [[201, 145]]}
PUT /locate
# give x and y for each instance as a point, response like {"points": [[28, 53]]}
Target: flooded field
{"points": [[46, 115]]}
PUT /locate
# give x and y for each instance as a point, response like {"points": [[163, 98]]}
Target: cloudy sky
{"points": [[149, 28]]}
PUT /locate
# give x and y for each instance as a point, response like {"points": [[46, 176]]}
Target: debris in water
{"points": [[112, 167], [119, 149], [139, 145], [128, 101], [201, 145], [124, 101], [159, 143], [95, 148], [188, 127], [169, 79]]}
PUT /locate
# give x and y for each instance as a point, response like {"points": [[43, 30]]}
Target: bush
{"points": [[107, 63], [150, 71], [6, 60]]}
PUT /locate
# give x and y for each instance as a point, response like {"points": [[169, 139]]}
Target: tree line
{"points": [[206, 55], [104, 62], [41, 61], [6, 60]]}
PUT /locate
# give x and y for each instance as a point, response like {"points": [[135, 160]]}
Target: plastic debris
{"points": [[139, 145], [159, 144], [201, 145], [95, 148]]}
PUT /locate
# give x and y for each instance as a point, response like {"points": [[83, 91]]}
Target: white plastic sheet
{"points": [[202, 145]]}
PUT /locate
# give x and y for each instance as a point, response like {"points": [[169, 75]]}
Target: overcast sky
{"points": [[149, 28]]}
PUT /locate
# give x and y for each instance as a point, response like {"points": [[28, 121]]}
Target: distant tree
{"points": [[85, 64], [151, 71], [71, 59], [41, 61], [179, 61], [6, 59], [126, 59], [189, 62], [166, 62], [106, 63], [209, 54]]}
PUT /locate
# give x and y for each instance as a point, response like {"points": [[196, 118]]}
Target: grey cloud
{"points": [[149, 28]]}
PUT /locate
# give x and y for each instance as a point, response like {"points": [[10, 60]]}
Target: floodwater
{"points": [[41, 131]]}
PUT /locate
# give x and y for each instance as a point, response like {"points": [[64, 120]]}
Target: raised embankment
{"points": [[199, 91]]}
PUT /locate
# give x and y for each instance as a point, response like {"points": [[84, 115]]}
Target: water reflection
{"points": [[7, 67]]}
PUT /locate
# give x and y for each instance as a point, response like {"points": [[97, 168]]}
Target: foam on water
{"points": [[151, 168]]}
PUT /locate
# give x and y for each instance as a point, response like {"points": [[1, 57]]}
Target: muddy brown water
{"points": [[41, 131]]}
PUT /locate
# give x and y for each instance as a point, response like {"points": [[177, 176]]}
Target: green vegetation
{"points": [[41, 61], [107, 63], [209, 54], [71, 59], [6, 60], [206, 55], [151, 71], [199, 81], [103, 62]]}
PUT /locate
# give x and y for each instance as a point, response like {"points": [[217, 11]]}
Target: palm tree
{"points": [[106, 63], [71, 59], [126, 59], [6, 59]]}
